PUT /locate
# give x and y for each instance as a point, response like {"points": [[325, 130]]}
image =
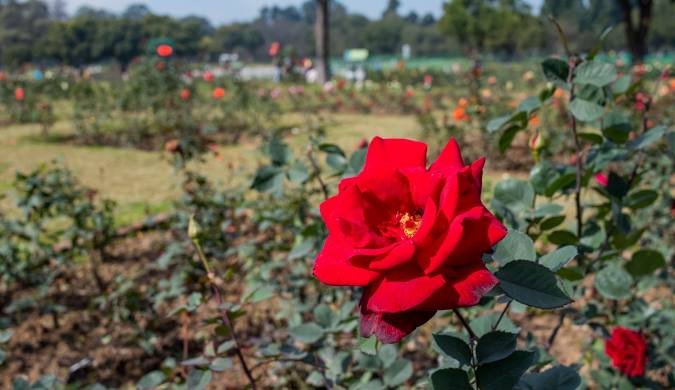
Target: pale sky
{"points": [[226, 11]]}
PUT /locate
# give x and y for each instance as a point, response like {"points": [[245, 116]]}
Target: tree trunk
{"points": [[636, 35], [322, 41]]}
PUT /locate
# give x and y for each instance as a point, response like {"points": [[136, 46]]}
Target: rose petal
{"points": [[450, 157], [333, 268], [391, 328]]}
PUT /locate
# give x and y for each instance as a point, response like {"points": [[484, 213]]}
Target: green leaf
{"points": [[531, 284], [495, 346], [225, 346], [505, 373], [307, 333], [556, 378], [453, 347], [613, 282], [450, 379], [559, 258], [515, 246], [641, 199], [621, 85], [644, 262], [507, 137], [585, 111], [368, 345], [562, 181], [595, 73], [268, 179], [497, 123], [278, 151], [616, 185], [556, 71], [591, 137], [323, 315], [562, 237], [337, 161], [529, 104], [5, 335], [648, 138], [387, 354], [552, 222], [398, 372], [151, 380], [332, 149], [220, 364], [515, 194], [198, 379], [616, 127], [298, 172]]}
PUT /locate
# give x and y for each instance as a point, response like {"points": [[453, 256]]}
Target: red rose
{"points": [[185, 94], [218, 93], [164, 50], [627, 349], [19, 94], [208, 76], [601, 179], [274, 49], [412, 236]]}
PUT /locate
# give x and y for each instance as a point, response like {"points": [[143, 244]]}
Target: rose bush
{"points": [[412, 236]]}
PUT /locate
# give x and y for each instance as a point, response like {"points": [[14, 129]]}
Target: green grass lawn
{"points": [[144, 182]]}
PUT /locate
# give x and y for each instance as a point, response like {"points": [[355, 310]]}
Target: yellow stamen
{"points": [[410, 223]]}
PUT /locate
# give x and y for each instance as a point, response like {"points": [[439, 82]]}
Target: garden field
{"points": [[179, 227]]}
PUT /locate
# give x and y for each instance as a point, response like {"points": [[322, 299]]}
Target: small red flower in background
{"points": [[641, 101], [601, 179], [412, 236], [218, 93], [363, 143], [208, 76], [627, 349], [274, 49], [428, 80], [533, 121], [185, 94], [19, 94], [164, 50], [409, 92], [3, 76]]}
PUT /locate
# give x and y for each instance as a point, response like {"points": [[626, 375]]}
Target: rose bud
{"points": [[627, 349], [601, 179], [411, 236], [362, 144]]}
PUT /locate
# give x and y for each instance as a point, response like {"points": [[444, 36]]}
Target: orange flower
{"points": [[19, 94], [672, 84], [164, 50], [459, 114], [218, 93], [558, 93], [185, 94], [463, 102], [534, 121]]}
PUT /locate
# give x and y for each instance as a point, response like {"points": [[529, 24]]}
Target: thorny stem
{"points": [[577, 146], [465, 324], [506, 308], [554, 333], [317, 172], [223, 313], [561, 33]]}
